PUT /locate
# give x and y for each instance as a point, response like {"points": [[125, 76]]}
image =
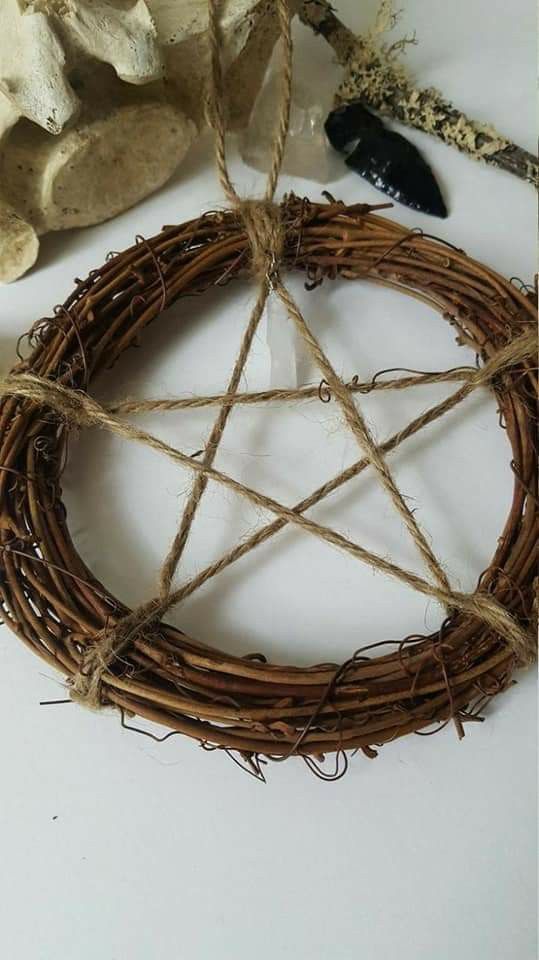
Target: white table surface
{"points": [[115, 847]]}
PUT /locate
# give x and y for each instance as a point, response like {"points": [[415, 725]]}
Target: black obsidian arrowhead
{"points": [[392, 164], [350, 122]]}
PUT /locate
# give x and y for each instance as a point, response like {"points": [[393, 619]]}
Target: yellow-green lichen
{"points": [[375, 75]]}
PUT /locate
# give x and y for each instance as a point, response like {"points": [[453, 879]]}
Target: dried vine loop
{"points": [[55, 604], [133, 659]]}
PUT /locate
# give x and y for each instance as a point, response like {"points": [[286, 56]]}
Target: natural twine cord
{"points": [[265, 225], [247, 398]]}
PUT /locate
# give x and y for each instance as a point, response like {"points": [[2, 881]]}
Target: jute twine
{"points": [[268, 232]]}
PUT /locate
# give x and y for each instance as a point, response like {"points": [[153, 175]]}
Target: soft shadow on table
{"points": [[53, 246], [8, 354]]}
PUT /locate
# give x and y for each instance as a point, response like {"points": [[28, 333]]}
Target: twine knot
{"points": [[87, 684], [521, 639], [265, 231]]}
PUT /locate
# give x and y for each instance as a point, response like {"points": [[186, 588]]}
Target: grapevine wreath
{"points": [[132, 659]]}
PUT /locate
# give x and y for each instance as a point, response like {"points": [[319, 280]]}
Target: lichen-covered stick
{"points": [[374, 74]]}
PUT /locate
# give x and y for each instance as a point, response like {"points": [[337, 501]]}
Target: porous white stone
{"points": [[82, 80]]}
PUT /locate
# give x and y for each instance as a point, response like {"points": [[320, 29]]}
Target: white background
{"points": [[115, 847]]}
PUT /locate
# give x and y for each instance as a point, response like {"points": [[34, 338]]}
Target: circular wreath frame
{"points": [[53, 602]]}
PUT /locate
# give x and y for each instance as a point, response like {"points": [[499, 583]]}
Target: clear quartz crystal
{"points": [[308, 153], [283, 344]]}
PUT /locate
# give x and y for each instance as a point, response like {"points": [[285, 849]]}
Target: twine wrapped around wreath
{"points": [[133, 659]]}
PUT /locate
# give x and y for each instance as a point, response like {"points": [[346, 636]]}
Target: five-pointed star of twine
{"points": [[263, 225]]}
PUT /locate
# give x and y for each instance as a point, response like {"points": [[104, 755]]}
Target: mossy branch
{"points": [[373, 74]]}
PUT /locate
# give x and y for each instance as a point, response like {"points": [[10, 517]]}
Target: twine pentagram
{"points": [[133, 659]]}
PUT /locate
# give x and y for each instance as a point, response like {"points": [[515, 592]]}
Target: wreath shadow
{"points": [[8, 355]]}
